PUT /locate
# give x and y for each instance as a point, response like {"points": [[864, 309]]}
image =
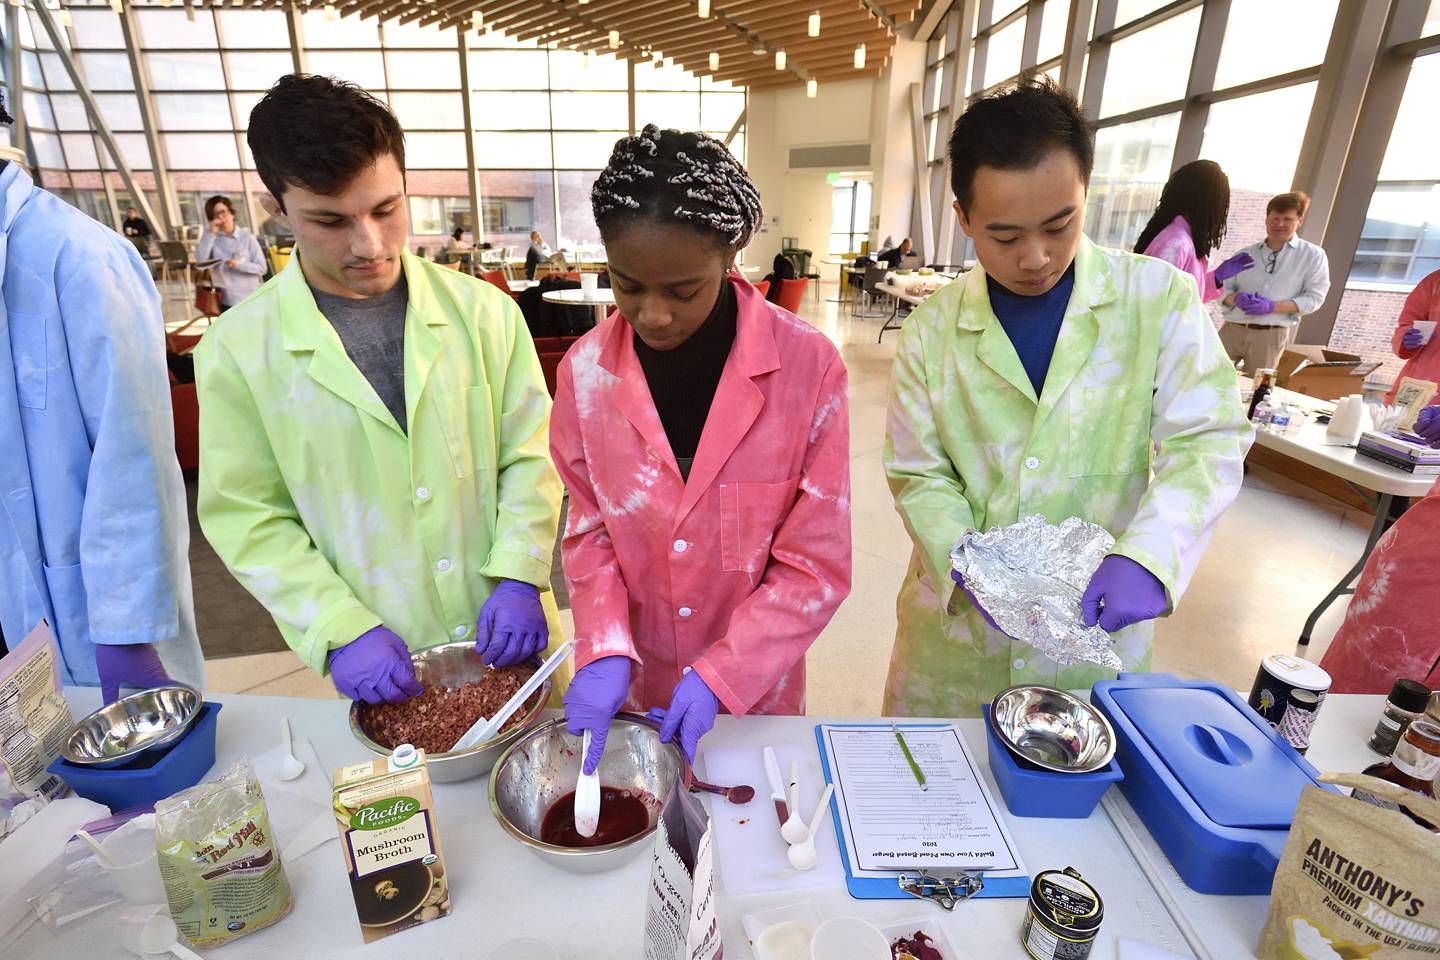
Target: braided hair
{"points": [[669, 175]]}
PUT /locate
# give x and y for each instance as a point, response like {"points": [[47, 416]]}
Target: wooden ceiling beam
{"points": [[804, 48]]}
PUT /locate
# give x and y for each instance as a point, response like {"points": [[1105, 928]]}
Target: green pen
{"points": [[909, 757]]}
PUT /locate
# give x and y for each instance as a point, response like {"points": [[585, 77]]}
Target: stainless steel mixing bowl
{"points": [[1052, 729], [132, 727], [452, 665], [543, 766]]}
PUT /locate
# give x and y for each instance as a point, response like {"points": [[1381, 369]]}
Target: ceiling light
{"points": [[477, 20], [614, 39], [811, 88], [117, 5], [860, 56], [65, 19], [714, 61], [656, 57], [331, 13], [815, 24], [583, 2], [704, 9], [589, 59], [779, 59], [759, 52]]}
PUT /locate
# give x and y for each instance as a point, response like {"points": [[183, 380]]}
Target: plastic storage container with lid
{"points": [[1214, 783]]}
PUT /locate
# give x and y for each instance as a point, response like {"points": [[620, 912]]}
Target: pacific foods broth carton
{"points": [[392, 853]]}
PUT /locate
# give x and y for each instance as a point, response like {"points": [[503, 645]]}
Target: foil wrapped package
{"points": [[1030, 577]]}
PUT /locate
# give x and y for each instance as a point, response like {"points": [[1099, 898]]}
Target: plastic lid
{"points": [[1297, 671], [1411, 696], [404, 756], [1233, 770]]}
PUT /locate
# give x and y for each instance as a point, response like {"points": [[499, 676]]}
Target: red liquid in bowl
{"points": [[622, 816]]}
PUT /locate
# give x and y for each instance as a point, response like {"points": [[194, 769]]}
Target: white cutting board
{"points": [[752, 852]]}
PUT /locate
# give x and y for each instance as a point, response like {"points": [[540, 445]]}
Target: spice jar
{"points": [[1415, 764], [1406, 703]]}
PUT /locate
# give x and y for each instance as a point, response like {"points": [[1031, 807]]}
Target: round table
{"points": [[601, 300]]}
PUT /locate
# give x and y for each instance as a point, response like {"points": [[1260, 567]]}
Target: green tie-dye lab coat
{"points": [[1139, 428], [335, 518]]}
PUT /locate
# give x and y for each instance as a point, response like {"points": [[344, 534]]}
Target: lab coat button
{"points": [[422, 493], [680, 546], [442, 565], [1032, 462], [1019, 664], [461, 630], [685, 612]]}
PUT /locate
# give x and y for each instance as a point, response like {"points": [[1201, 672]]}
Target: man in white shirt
{"points": [[1290, 278]]}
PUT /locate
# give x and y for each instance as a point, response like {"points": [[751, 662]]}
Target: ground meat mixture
{"points": [[439, 717]]}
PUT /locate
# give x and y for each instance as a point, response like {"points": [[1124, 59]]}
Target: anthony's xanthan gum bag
{"points": [[1356, 881]]}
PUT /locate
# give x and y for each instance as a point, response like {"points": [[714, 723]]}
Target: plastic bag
{"points": [[219, 860], [34, 719]]}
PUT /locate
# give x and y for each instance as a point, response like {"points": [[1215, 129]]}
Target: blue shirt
{"points": [[1033, 323]]}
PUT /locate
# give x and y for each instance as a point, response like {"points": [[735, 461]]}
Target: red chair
{"points": [[552, 351], [497, 277], [791, 293], [764, 287], [185, 408]]}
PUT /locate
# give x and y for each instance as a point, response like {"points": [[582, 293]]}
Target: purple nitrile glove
{"points": [[960, 582], [692, 711], [1254, 305], [128, 665], [1413, 339], [1427, 424], [375, 667], [1120, 593], [511, 627], [591, 701], [1235, 265]]}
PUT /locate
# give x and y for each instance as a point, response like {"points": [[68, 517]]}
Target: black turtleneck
{"points": [[683, 381]]}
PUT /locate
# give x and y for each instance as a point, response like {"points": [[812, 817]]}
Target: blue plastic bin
{"points": [[1215, 785], [1030, 791], [122, 788]]}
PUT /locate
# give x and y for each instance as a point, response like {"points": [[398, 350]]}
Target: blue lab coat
{"points": [[94, 535]]}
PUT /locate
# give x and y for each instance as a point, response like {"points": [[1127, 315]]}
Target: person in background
{"points": [[242, 262], [538, 253], [1421, 355], [97, 537], [1189, 223], [456, 244], [781, 268], [372, 425], [1061, 379], [1389, 630], [703, 436], [896, 256], [1290, 279], [137, 230]]}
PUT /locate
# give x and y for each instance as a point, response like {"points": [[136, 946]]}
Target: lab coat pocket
{"points": [[1110, 430], [27, 343], [750, 513], [469, 426], [66, 586]]}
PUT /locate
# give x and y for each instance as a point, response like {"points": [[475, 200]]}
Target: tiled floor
{"points": [[1275, 554]]}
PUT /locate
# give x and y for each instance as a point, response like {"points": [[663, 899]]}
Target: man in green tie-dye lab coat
{"points": [[1057, 378]]}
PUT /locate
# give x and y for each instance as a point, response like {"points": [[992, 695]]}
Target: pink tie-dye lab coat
{"points": [[1176, 246], [736, 572]]}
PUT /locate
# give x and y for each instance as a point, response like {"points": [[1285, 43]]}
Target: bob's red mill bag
{"points": [[1356, 881]]}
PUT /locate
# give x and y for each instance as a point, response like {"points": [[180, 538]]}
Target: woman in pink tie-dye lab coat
{"points": [[1189, 224], [704, 439]]}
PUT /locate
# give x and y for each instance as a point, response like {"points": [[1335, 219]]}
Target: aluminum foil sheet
{"points": [[1030, 577]]}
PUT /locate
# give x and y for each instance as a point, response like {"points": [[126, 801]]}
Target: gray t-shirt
{"points": [[373, 332]]}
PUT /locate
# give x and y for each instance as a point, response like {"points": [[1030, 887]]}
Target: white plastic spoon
{"points": [[95, 848], [290, 765], [587, 795], [485, 728], [802, 855], [793, 831]]}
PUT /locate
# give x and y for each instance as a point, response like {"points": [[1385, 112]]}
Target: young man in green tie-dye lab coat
{"points": [[1057, 378]]}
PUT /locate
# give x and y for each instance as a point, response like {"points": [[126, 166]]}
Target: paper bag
{"points": [[680, 918], [1356, 880]]}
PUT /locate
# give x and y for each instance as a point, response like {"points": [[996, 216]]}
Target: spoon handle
{"points": [[285, 736], [819, 812]]}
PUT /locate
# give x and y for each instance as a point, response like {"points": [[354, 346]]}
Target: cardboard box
{"points": [[1322, 373]]}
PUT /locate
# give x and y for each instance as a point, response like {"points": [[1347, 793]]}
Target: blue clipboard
{"points": [[885, 888]]}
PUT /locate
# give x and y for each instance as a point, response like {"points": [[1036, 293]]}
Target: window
{"points": [[571, 71], [849, 214], [363, 67], [1150, 67], [595, 111], [1265, 38], [1132, 163], [1128, 11], [508, 214], [1256, 175], [577, 219], [106, 71], [185, 71], [423, 69], [500, 151], [1002, 53], [97, 29], [258, 70], [427, 215], [345, 32], [175, 29], [668, 111], [254, 29], [428, 111], [1053, 21], [192, 111]]}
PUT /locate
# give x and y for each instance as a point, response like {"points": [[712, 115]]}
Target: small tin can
{"points": [[1299, 718], [1279, 674], [1063, 918]]}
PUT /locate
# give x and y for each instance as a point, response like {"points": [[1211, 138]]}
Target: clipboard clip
{"points": [[945, 891]]}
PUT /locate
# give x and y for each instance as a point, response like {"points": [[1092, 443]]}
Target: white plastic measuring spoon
{"points": [[793, 831], [802, 855], [149, 930], [95, 848], [587, 795], [290, 765]]}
